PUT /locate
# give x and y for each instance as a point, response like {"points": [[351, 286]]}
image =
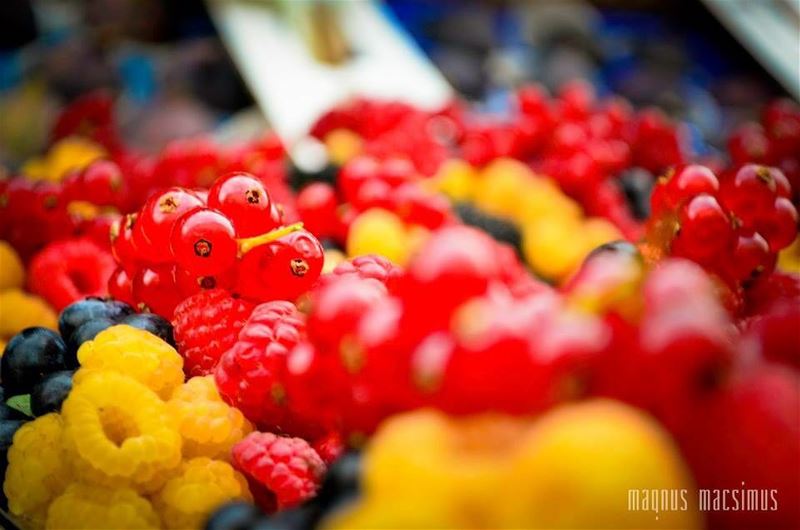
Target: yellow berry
{"points": [[209, 426], [498, 188], [20, 310], [553, 248], [201, 486], [342, 145], [332, 259], [378, 231], [137, 354], [456, 179], [88, 506], [598, 231], [12, 272]]}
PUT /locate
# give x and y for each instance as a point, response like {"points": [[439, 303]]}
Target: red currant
{"points": [[751, 193], [102, 181], [282, 269], [354, 173], [316, 205], [122, 246], [779, 226], [153, 228], [751, 257], [120, 287], [155, 290], [190, 283], [748, 143], [204, 242], [245, 201], [705, 229], [396, 171]]}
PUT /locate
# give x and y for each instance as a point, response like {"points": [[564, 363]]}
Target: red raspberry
{"points": [[206, 326], [251, 374], [70, 270], [288, 469], [330, 447], [370, 266]]}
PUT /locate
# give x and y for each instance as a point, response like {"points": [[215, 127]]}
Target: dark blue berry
{"points": [[29, 356], [50, 393], [87, 331], [234, 516], [155, 324], [342, 482], [75, 315]]}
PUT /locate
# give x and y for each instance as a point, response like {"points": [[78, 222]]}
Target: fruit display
{"points": [[463, 321]]}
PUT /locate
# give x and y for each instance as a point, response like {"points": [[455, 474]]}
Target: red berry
{"points": [[282, 269], [155, 290], [751, 193], [206, 325], [190, 283], [245, 200], [122, 246], [751, 257], [705, 229], [779, 226], [120, 286], [354, 174], [317, 205], [203, 241], [287, 468], [68, 271], [102, 182], [748, 143], [158, 216]]}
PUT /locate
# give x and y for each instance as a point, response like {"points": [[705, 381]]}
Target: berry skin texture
{"points": [[208, 425], [153, 227], [70, 270], [89, 506], [119, 431], [136, 354], [201, 486], [28, 357], [77, 314], [203, 241], [206, 325], [245, 200], [287, 467], [38, 470], [155, 289]]}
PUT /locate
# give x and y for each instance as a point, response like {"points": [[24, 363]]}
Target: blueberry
{"points": [[155, 324], [29, 356], [50, 393], [303, 517], [7, 430], [615, 247], [342, 482], [86, 331], [499, 228], [234, 516], [73, 316], [637, 185]]}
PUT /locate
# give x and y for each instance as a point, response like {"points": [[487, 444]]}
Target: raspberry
{"points": [[88, 506], [67, 271], [137, 354], [20, 310], [288, 468], [250, 376], [119, 430], [206, 326], [201, 486], [209, 426], [37, 469], [370, 266], [330, 447]]}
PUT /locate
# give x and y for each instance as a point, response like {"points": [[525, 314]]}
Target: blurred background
{"points": [[173, 78]]}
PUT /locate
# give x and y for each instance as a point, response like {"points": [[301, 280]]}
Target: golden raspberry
{"points": [[137, 354], [38, 469], [12, 273], [20, 310], [120, 431], [203, 484], [88, 506], [208, 425]]}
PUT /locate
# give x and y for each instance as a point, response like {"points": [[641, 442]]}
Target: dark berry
{"points": [[500, 229], [50, 393], [615, 247], [29, 356], [637, 185], [155, 324], [73, 316], [234, 516], [86, 332], [342, 481], [6, 412]]}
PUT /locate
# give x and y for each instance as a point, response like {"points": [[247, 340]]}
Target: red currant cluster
{"points": [[231, 237], [366, 182], [733, 225], [773, 142]]}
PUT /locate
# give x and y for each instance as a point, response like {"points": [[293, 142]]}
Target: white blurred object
{"points": [[290, 82], [770, 29]]}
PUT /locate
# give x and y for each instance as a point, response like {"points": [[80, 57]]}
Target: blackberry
{"points": [[499, 228]]}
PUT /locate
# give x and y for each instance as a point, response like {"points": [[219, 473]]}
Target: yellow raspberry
{"points": [[456, 179], [553, 248], [20, 310], [498, 188], [208, 425], [88, 506], [342, 145], [203, 485], [598, 231], [38, 469], [119, 430], [65, 155], [541, 199], [378, 231], [12, 273], [135, 353]]}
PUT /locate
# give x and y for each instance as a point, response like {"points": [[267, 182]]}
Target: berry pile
{"points": [[182, 242]]}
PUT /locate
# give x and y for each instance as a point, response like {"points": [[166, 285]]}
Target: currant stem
{"points": [[247, 244]]}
